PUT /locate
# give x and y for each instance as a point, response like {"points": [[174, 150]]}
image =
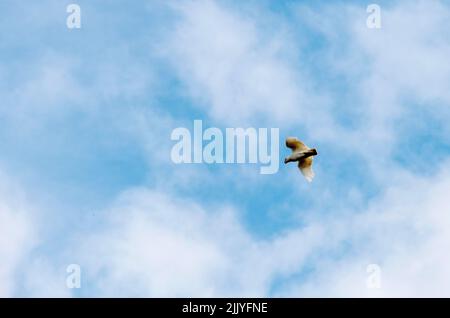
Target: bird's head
{"points": [[286, 160], [314, 151]]}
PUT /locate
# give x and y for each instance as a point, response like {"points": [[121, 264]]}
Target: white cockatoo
{"points": [[303, 154]]}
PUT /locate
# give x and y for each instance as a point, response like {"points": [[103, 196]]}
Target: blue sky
{"points": [[86, 177]]}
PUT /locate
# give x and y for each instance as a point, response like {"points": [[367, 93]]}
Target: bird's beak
{"points": [[285, 160], [313, 152]]}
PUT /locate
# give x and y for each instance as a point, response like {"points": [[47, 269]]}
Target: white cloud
{"points": [[43, 278], [156, 244], [408, 63], [401, 66], [16, 239], [239, 74], [159, 245], [26, 268], [404, 231], [393, 76], [233, 70]]}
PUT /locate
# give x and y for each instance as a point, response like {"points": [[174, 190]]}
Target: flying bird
{"points": [[303, 155]]}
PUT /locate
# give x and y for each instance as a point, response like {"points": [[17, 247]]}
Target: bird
{"points": [[302, 154]]}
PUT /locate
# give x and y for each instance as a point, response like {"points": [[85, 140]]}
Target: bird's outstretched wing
{"points": [[296, 145], [305, 166]]}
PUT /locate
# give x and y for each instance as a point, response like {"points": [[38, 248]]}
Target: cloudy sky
{"points": [[86, 176]]}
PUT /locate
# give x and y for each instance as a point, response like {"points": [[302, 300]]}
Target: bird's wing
{"points": [[305, 166], [295, 144]]}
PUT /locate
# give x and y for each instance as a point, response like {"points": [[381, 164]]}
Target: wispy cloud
{"points": [[18, 233], [85, 132]]}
